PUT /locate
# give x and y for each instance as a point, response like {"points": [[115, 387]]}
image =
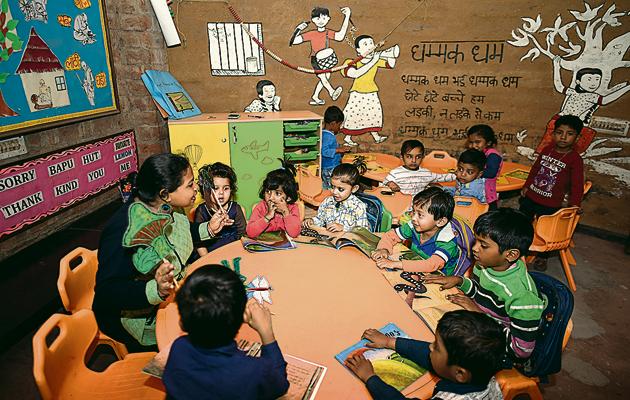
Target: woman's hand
{"points": [[165, 278], [218, 221]]}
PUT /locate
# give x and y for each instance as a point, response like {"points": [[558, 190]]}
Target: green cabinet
{"points": [[255, 149]]}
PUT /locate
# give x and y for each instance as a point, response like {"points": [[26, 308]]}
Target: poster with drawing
{"points": [[267, 100], [575, 45], [232, 50], [55, 63]]}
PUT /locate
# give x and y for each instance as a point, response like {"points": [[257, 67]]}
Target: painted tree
{"points": [[588, 27], [9, 43]]}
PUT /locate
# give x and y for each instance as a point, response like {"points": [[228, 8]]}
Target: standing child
{"points": [[430, 232], [277, 210], [482, 137], [469, 171], [558, 170], [331, 153], [217, 182], [411, 178], [467, 351], [206, 363], [343, 210], [500, 285]]}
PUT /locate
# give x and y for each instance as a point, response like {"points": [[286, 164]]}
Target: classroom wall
{"points": [[137, 44], [468, 74]]}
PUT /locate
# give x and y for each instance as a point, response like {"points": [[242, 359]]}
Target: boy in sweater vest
{"points": [[500, 285]]}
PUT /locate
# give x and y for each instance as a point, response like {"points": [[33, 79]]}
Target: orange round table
{"points": [[323, 300]]}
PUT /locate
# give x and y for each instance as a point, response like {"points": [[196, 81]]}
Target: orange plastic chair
{"points": [[60, 372], [554, 232], [76, 289], [438, 159], [310, 187], [469, 208]]}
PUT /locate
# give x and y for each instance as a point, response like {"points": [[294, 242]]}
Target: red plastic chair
{"points": [[439, 159], [310, 187], [469, 208]]}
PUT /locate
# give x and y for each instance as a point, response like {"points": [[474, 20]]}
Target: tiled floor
{"points": [[595, 362]]}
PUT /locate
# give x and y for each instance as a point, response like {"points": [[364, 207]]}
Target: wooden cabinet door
{"points": [[255, 149]]}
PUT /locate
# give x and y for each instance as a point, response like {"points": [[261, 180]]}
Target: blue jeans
{"points": [[326, 176]]}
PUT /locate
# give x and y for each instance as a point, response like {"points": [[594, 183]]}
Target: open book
{"points": [[430, 305], [268, 241], [304, 378], [390, 366], [359, 237]]}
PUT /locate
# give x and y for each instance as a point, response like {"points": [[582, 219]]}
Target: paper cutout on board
{"points": [[34, 10], [11, 42], [322, 55], [73, 63], [233, 52], [87, 83], [64, 20], [259, 289], [82, 4], [363, 111], [101, 80], [43, 77], [267, 100], [82, 31]]}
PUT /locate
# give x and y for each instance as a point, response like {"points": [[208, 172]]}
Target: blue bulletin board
{"points": [[55, 65]]}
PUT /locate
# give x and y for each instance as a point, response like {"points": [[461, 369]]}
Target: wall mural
{"points": [[591, 63]]}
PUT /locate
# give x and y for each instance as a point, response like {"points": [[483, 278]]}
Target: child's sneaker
{"points": [[349, 142]]}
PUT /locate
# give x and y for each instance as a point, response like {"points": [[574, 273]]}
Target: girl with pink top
{"points": [[277, 210], [482, 137]]}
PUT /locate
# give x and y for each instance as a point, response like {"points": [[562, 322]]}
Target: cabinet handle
{"points": [[234, 140], [223, 140]]}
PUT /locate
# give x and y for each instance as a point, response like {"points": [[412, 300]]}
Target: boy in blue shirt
{"points": [[206, 363], [470, 167], [331, 153], [468, 350]]}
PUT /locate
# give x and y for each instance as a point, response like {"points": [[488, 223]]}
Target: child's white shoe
{"points": [[349, 142]]}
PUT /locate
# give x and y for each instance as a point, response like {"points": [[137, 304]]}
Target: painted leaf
{"points": [[610, 18], [532, 52], [12, 24], [564, 29], [5, 6], [2, 37], [12, 36], [532, 25], [573, 49], [17, 45], [3, 77], [520, 41], [4, 55]]}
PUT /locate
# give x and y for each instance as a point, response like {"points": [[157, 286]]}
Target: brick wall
{"points": [[137, 44]]}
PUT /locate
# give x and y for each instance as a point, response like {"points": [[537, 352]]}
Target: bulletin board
{"points": [[55, 64]]}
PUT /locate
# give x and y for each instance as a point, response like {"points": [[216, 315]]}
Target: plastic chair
{"points": [[513, 384], [438, 159], [76, 289], [469, 208], [554, 232], [60, 372], [310, 187]]}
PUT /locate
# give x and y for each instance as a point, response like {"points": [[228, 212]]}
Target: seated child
{"points": [[277, 210], [227, 222], [267, 100], [206, 363], [331, 153], [466, 353], [469, 181], [482, 137], [500, 285], [430, 232], [411, 178], [343, 210], [558, 170]]}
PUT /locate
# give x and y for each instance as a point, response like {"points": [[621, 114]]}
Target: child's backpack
{"points": [[375, 209], [465, 239], [546, 358]]}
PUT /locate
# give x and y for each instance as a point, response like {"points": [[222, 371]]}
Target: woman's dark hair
{"points": [[359, 38], [261, 84], [473, 341], [283, 177], [581, 73], [441, 204], [317, 11], [160, 172], [474, 157], [207, 173], [211, 303], [346, 173], [485, 131], [508, 228]]}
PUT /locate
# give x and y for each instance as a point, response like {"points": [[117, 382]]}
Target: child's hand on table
{"points": [[464, 301], [361, 367], [259, 318], [377, 340], [165, 278], [308, 223], [334, 227], [380, 254], [447, 282], [386, 263], [393, 186]]}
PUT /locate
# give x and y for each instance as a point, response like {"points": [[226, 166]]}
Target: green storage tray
{"points": [[311, 155], [301, 126], [300, 141]]}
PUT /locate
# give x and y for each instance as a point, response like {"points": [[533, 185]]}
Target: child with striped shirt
{"points": [[411, 178], [500, 285]]}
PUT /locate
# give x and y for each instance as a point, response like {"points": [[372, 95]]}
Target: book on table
{"points": [[358, 237], [304, 377], [390, 366], [268, 241]]}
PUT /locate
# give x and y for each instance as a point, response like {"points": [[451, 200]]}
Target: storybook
{"points": [[390, 366], [359, 237], [268, 241], [427, 301], [304, 377]]}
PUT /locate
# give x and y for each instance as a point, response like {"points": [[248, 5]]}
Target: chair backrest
{"points": [[55, 364], [375, 209], [76, 286], [386, 221], [191, 213], [469, 208], [439, 159], [556, 230], [309, 185], [587, 186]]}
